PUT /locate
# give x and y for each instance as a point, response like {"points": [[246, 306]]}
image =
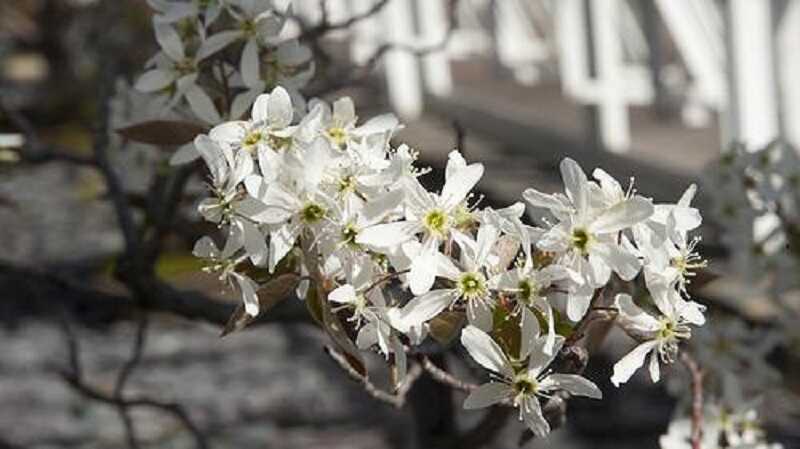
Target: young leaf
{"points": [[334, 328], [163, 132], [269, 295], [446, 326]]}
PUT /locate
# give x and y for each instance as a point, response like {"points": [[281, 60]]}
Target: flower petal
{"points": [[622, 215], [457, 187], [571, 383], [532, 415], [154, 80], [421, 309], [216, 43], [575, 184], [486, 395], [625, 367], [387, 235], [485, 351], [280, 108], [344, 294]]}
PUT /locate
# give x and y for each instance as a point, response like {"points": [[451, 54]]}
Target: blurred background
{"points": [[657, 89]]}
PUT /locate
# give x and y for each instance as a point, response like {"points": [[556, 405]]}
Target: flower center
{"points": [[251, 139], [338, 136], [349, 234], [185, 66], [669, 336], [248, 27], [471, 286], [312, 213], [527, 290], [279, 143], [436, 222], [581, 240], [347, 184], [525, 385]]}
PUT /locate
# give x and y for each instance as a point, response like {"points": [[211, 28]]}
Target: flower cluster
{"points": [[730, 421], [332, 198], [757, 203], [217, 56]]}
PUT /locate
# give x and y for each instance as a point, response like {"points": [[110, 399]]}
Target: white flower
{"points": [[660, 335], [269, 126], [586, 239], [469, 285], [339, 125], [230, 205], [369, 315], [174, 68], [349, 219], [224, 263], [521, 386], [432, 215], [530, 289], [670, 260]]}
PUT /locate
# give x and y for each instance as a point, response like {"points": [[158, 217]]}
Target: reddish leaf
{"points": [[162, 132], [269, 295]]}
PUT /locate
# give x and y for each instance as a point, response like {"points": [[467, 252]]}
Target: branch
{"points": [[396, 400], [697, 375], [355, 75], [74, 378], [39, 152], [95, 307], [325, 27], [443, 376]]}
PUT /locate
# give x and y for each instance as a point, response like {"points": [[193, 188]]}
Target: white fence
{"points": [[738, 59]]}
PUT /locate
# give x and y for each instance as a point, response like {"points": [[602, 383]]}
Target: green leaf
{"points": [[506, 331], [163, 132], [269, 295], [446, 326]]}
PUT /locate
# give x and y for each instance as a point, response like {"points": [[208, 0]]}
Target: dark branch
{"points": [[396, 399]]}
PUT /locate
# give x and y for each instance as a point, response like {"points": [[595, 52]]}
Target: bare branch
{"points": [[396, 400], [116, 398], [356, 75], [37, 151], [697, 375], [325, 26], [443, 376]]}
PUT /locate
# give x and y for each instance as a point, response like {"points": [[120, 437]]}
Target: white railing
{"points": [[601, 50]]}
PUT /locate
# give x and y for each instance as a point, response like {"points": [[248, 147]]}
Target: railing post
{"points": [[402, 67], [518, 47], [365, 32], [789, 72], [614, 127], [433, 28], [753, 110]]}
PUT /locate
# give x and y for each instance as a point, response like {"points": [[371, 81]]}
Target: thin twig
{"points": [[697, 376], [325, 26], [443, 376], [356, 75], [396, 400], [74, 377], [172, 408], [37, 151], [385, 278]]}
